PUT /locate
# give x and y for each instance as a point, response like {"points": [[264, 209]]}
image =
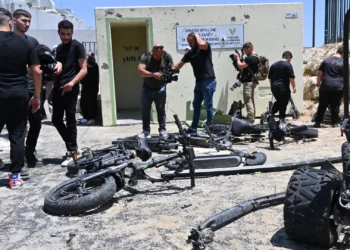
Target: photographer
{"points": [[89, 92], [200, 57], [248, 68], [281, 75], [154, 90]]}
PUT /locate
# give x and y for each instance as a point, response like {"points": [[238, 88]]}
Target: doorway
{"points": [[129, 41]]}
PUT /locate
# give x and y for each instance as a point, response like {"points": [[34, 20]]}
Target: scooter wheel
{"points": [[257, 159]]}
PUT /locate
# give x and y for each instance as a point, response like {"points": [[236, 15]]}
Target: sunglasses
{"points": [[158, 47]]}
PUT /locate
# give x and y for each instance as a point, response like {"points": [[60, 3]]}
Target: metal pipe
{"points": [[346, 64], [314, 24]]}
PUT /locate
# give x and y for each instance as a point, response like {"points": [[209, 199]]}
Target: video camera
{"points": [[169, 74], [47, 61], [234, 62]]}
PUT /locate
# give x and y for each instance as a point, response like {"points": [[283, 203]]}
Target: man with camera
{"points": [[150, 68], [200, 57], [16, 54], [248, 67], [281, 75], [89, 91]]}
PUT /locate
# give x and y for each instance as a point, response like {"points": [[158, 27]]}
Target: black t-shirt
{"points": [[202, 64], [153, 65], [34, 43], [280, 72], [91, 80], [333, 79], [15, 54], [69, 55], [246, 75]]}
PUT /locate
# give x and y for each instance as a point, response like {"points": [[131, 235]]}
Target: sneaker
{"points": [[15, 181], [2, 164], [163, 134], [83, 121], [25, 171], [191, 130], [69, 159], [317, 125], [32, 161], [144, 134], [91, 122]]}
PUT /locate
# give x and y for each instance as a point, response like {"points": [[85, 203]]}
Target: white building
{"points": [[45, 18]]}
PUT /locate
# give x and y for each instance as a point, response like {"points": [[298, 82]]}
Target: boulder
{"points": [[310, 88]]}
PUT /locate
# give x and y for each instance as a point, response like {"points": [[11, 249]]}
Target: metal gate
{"points": [[91, 47]]}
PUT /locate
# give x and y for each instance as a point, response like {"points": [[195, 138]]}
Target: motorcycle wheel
{"points": [[257, 159], [64, 199]]}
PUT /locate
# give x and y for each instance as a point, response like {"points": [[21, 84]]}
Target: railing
{"points": [[91, 47]]}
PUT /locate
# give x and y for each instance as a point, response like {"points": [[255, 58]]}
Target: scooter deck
{"points": [[251, 169]]}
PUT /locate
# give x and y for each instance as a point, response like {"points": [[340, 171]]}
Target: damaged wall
{"points": [[265, 25]]}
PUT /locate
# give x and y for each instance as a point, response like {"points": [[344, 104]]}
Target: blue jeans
{"points": [[147, 98], [204, 90]]}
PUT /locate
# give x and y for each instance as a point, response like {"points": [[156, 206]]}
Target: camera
{"points": [[169, 74]]}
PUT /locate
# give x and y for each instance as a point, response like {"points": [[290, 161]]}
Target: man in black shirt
{"points": [[149, 68], [16, 53], [249, 67], [89, 91], [64, 94], [21, 20], [281, 74], [200, 57], [330, 73]]}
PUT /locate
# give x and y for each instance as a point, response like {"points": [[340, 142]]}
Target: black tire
{"points": [[81, 204], [173, 165], [298, 129], [309, 133], [260, 159], [345, 152], [311, 196]]}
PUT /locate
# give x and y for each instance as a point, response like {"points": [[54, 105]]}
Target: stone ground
{"points": [[151, 216]]}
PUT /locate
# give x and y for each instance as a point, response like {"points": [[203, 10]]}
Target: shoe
{"points": [[32, 161], [69, 159], [163, 134], [317, 125], [144, 134], [191, 130], [91, 122], [2, 164], [25, 171], [15, 181], [83, 121]]}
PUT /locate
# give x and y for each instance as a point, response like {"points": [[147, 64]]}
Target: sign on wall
{"points": [[219, 36]]}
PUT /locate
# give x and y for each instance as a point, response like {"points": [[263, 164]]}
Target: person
{"points": [[330, 81], [89, 91], [200, 57], [281, 75], [249, 67], [21, 21], [64, 94], [153, 90], [19, 54]]}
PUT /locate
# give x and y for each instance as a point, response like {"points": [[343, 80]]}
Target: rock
{"points": [[310, 89]]}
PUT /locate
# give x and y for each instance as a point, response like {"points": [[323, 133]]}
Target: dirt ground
{"points": [[152, 216]]}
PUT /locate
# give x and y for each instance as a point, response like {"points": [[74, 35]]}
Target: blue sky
{"points": [[85, 10]]}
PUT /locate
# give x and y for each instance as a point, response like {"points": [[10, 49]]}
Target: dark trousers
{"points": [[203, 91], [42, 101], [13, 113], [88, 102], [280, 105], [61, 105], [34, 127], [149, 96], [332, 99]]}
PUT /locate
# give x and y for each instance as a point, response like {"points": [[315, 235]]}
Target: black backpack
{"points": [[148, 57]]}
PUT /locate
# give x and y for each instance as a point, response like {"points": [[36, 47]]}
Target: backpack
{"points": [[263, 69]]}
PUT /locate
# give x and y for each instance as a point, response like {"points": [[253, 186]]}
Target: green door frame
{"points": [[110, 59]]}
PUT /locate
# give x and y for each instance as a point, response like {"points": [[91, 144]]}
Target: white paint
{"points": [[219, 36], [263, 26]]}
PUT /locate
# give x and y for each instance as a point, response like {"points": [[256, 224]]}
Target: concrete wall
{"points": [[265, 25]]}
